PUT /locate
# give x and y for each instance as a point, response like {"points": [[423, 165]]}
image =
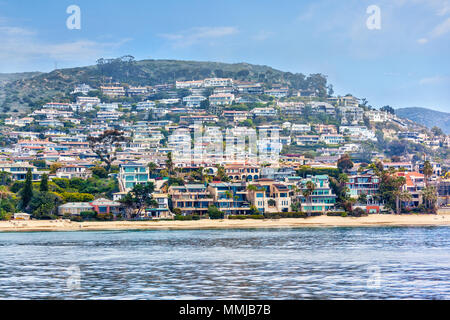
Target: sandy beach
{"points": [[321, 221]]}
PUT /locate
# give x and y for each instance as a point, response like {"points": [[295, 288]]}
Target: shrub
{"points": [[77, 197], [344, 214], [280, 215], [105, 217], [243, 216], [5, 216], [87, 215], [358, 212], [215, 213], [183, 218]]}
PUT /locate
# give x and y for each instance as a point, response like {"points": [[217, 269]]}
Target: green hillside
{"points": [[23, 94]]}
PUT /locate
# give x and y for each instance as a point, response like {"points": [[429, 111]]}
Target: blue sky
{"points": [[405, 63]]}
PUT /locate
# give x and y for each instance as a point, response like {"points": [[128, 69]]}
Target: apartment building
{"points": [[235, 116], [18, 170], [193, 101], [415, 183], [133, 173], [73, 171], [230, 198], [191, 199], [264, 112], [218, 82], [360, 184], [322, 198], [112, 91], [346, 101], [221, 99]]}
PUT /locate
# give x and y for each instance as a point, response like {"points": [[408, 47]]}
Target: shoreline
{"points": [[374, 220]]}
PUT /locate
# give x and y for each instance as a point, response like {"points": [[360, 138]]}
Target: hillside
{"points": [[6, 77], [25, 93], [426, 117]]}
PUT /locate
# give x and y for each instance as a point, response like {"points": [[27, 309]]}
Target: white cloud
{"points": [[20, 46], [263, 35], [434, 80], [194, 35], [441, 29], [422, 40]]}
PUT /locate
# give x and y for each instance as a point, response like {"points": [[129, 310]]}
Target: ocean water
{"points": [[307, 263]]}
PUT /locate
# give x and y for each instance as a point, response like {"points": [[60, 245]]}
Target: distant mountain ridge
{"points": [[426, 117]]}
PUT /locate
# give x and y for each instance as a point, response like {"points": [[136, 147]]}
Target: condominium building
{"points": [[191, 199]]}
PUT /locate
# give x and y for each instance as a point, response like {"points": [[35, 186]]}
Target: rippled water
{"points": [[316, 263]]}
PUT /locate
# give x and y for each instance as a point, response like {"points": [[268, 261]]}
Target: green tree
{"points": [[152, 168], [215, 213], [100, 172], [5, 178], [169, 163], [43, 186], [345, 163], [139, 197], [106, 145], [430, 197], [427, 171], [27, 190], [44, 205]]}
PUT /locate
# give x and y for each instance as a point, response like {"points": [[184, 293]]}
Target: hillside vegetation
{"points": [[23, 94]]}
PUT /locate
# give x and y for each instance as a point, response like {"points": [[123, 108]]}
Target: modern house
{"points": [[133, 173], [322, 198]]}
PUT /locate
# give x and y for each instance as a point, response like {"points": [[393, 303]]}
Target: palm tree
{"points": [[169, 163], [400, 196], [310, 187], [151, 168], [427, 171], [295, 202], [430, 197]]}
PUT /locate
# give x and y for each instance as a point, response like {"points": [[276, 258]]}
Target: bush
{"points": [[76, 219], [5, 216], [87, 215], [105, 217], [215, 213], [281, 215], [248, 216], [358, 212], [335, 214], [77, 197], [344, 214], [186, 218]]}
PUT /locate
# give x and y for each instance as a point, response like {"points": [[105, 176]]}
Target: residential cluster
{"points": [[333, 155]]}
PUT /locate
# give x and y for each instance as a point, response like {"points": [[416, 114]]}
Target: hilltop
{"points": [[426, 117], [25, 93]]}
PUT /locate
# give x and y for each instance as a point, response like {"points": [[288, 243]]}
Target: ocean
{"points": [[304, 263]]}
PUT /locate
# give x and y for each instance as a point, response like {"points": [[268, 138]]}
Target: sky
{"points": [[403, 63]]}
